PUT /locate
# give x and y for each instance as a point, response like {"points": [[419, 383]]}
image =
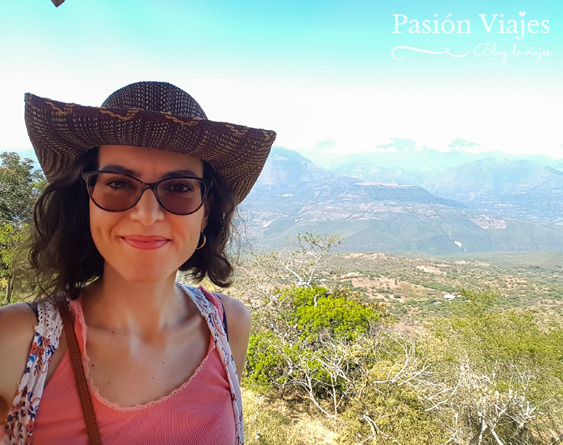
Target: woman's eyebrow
{"points": [[172, 174], [118, 169], [180, 173]]}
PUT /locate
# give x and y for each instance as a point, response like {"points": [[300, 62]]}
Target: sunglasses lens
{"points": [[113, 192], [116, 193], [181, 195]]}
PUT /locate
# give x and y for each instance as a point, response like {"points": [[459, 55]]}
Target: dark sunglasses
{"points": [[117, 192]]}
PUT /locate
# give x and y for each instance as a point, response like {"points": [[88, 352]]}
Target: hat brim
{"points": [[62, 132]]}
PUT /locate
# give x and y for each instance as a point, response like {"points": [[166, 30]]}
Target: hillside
{"points": [[467, 350]]}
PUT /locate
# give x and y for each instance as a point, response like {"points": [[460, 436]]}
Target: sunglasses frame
{"points": [[86, 176]]}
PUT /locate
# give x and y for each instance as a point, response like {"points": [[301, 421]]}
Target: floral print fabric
{"points": [[21, 417]]}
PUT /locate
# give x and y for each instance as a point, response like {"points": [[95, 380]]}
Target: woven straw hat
{"points": [[146, 114]]}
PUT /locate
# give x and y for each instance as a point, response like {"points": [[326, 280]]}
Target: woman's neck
{"points": [[141, 309]]}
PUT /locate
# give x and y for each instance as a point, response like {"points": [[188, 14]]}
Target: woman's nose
{"points": [[148, 210]]}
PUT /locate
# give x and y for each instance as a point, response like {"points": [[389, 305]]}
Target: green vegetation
{"points": [[439, 286], [509, 372], [288, 344], [340, 314], [20, 185], [476, 376], [480, 369]]}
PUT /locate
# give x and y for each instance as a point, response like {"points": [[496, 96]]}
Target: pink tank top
{"points": [[200, 411]]}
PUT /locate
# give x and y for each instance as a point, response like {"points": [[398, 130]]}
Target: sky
{"points": [[331, 77]]}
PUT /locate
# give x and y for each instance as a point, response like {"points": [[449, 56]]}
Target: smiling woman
{"points": [[138, 189], [140, 237]]}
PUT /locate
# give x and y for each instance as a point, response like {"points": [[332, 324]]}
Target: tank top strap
{"points": [[211, 309], [18, 428]]}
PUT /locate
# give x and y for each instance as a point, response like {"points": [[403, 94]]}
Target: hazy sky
{"points": [[331, 76]]}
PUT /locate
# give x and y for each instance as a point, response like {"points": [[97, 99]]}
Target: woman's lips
{"points": [[145, 242]]}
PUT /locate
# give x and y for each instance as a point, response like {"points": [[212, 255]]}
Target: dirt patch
{"points": [[303, 423], [382, 282], [431, 269]]}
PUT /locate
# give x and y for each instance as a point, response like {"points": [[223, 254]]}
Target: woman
{"points": [[138, 189]]}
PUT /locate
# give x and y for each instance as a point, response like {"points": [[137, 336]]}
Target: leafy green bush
{"points": [[264, 364], [297, 339], [268, 360], [339, 312]]}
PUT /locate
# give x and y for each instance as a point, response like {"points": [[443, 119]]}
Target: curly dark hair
{"points": [[65, 257]]}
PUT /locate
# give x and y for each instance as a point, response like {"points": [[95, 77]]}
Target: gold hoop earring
{"points": [[203, 242]]}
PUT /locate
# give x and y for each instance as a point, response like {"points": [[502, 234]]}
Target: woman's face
{"points": [[146, 243]]}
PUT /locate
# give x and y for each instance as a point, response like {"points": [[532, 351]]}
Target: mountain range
{"points": [[408, 200], [450, 203]]}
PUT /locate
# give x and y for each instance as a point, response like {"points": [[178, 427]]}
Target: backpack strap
{"points": [[220, 308], [225, 320], [34, 307]]}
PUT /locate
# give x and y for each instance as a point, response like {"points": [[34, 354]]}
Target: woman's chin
{"points": [[143, 275]]}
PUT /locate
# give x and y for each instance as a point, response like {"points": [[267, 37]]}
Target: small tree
{"points": [[298, 266], [301, 264], [20, 185], [13, 256], [315, 341]]}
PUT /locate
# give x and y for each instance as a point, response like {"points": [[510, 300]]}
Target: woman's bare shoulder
{"points": [[17, 323], [238, 315], [238, 324]]}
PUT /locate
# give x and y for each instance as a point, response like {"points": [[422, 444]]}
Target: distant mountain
{"points": [[403, 164], [293, 195], [288, 168], [368, 171], [519, 189]]}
